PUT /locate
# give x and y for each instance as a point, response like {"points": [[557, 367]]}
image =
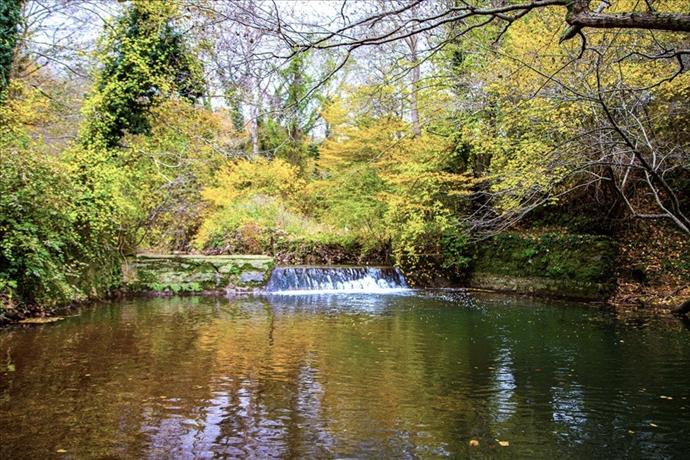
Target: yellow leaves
{"points": [[475, 443], [24, 110], [259, 176]]}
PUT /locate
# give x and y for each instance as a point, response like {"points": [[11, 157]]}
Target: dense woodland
{"points": [[414, 133]]}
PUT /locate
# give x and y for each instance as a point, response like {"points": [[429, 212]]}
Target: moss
{"points": [[192, 274], [584, 258], [578, 265]]}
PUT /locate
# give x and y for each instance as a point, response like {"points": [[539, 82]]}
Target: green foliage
{"points": [[57, 238], [145, 59], [349, 199], [284, 134], [50, 245], [10, 15], [164, 173], [65, 219], [408, 193]]}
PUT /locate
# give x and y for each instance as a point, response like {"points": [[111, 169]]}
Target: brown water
{"points": [[394, 376]]}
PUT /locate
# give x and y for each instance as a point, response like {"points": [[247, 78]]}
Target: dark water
{"points": [[395, 376]]}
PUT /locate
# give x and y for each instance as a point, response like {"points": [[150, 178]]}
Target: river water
{"points": [[403, 375]]}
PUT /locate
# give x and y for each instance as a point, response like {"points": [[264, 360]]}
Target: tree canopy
{"points": [[402, 132]]}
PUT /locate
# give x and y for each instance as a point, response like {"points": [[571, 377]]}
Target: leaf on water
{"points": [[52, 319], [504, 443], [474, 442]]}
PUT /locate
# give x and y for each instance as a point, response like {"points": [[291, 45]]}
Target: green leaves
{"points": [[10, 15], [145, 59]]}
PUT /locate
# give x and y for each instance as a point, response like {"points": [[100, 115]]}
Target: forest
{"points": [[538, 138]]}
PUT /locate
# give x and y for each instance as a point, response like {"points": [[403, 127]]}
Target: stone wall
{"points": [[541, 286], [195, 273], [549, 264]]}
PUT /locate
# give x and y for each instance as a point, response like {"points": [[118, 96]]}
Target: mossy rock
{"points": [[566, 265], [583, 258], [540, 286], [179, 274]]}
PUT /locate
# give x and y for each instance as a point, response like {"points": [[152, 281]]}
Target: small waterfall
{"points": [[311, 280]]}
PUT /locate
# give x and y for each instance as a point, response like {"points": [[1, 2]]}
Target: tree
{"points": [[239, 55], [554, 121], [10, 15], [145, 58], [477, 13]]}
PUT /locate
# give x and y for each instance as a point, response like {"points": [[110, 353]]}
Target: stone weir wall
{"points": [[547, 264], [178, 274]]}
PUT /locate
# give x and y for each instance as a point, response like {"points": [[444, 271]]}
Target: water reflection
{"points": [[503, 393], [413, 375]]}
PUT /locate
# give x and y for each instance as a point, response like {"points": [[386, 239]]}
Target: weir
{"points": [[310, 280]]}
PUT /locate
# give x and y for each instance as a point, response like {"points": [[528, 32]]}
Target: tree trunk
{"points": [[415, 76], [254, 118]]}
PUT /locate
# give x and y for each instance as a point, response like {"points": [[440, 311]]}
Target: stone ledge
{"points": [[188, 273], [547, 287]]}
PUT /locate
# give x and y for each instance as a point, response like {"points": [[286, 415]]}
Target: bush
{"points": [[47, 255]]}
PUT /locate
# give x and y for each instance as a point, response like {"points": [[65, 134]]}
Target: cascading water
{"points": [[310, 280]]}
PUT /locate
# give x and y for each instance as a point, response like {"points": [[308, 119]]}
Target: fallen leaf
{"points": [[503, 443], [474, 442], [41, 320], [61, 451]]}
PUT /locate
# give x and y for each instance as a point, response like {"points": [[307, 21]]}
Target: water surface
{"points": [[414, 375]]}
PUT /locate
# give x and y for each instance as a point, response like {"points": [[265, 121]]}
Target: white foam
{"points": [[341, 291]]}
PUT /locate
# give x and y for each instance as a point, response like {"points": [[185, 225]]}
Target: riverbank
{"points": [[645, 267]]}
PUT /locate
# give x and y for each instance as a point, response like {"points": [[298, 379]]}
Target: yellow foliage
{"points": [[251, 177], [24, 110]]}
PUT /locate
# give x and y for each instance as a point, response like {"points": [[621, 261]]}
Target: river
{"points": [[411, 374]]}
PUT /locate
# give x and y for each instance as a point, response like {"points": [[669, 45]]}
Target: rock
{"points": [[252, 277], [194, 274], [683, 309]]}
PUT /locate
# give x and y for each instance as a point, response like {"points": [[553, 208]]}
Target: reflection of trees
{"points": [[406, 376]]}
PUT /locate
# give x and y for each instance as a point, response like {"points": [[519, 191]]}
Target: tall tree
{"points": [[145, 57], [10, 16]]}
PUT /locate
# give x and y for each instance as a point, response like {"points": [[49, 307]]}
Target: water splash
{"points": [[319, 280]]}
